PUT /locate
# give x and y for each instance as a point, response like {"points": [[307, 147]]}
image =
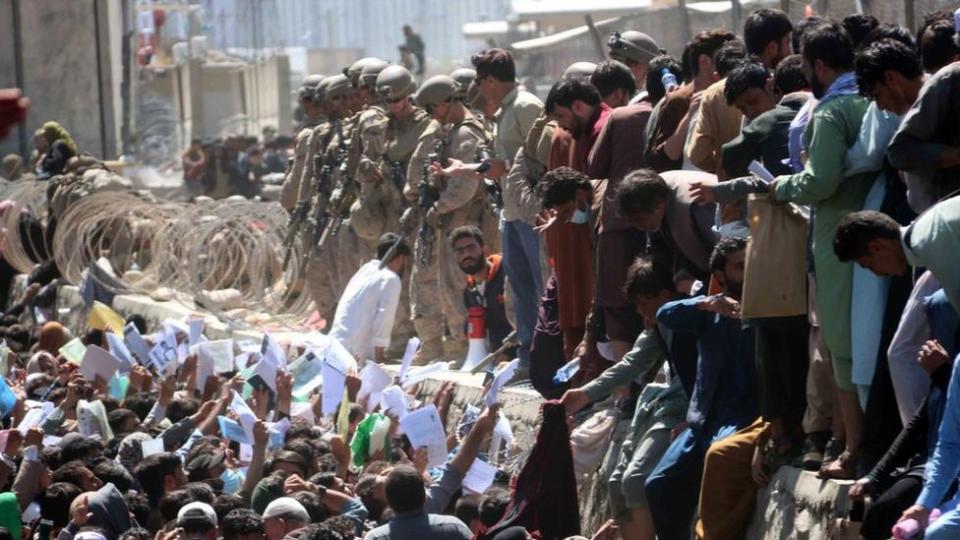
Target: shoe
{"points": [[811, 455], [842, 468], [834, 448]]}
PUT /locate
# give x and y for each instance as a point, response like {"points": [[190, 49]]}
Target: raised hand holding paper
{"points": [[408, 355], [373, 379], [135, 342], [424, 429], [74, 350], [219, 352], [97, 362], [500, 379]]}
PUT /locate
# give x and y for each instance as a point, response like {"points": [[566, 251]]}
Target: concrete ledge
{"points": [[796, 505]]}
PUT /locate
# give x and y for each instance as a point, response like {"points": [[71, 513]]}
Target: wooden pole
{"points": [[595, 34]]}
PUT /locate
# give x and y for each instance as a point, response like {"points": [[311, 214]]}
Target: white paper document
{"points": [[98, 363], [307, 373], [373, 379], [137, 345], [152, 446], [480, 476], [163, 356], [219, 352], [500, 379], [334, 385], [394, 401], [247, 417], [757, 169], [424, 430], [408, 355], [119, 349], [422, 373], [196, 331]]}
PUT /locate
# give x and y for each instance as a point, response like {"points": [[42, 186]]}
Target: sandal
{"points": [[843, 468]]}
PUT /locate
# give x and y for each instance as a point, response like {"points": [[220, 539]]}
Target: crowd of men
{"points": [[749, 255], [743, 248], [235, 165]]}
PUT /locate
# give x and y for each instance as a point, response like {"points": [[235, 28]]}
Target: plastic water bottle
{"points": [[909, 528], [668, 79]]}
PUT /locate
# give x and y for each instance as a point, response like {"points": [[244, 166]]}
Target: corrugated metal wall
{"points": [[372, 25]]}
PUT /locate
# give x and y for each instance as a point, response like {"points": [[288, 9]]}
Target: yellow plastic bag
{"points": [[775, 277]]}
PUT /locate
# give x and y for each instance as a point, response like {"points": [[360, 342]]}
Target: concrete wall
{"points": [[66, 75]]}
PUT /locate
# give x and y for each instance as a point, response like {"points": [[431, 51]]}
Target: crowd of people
{"points": [[235, 165], [749, 254]]}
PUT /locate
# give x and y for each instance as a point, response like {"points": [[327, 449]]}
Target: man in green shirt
{"points": [[833, 128]]}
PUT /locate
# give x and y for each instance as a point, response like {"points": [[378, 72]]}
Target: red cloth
{"points": [[545, 492], [583, 144]]}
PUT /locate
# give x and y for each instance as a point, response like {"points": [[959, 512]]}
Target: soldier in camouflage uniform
{"points": [[314, 110], [437, 282], [318, 268]]}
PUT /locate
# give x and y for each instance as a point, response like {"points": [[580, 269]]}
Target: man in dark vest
{"points": [[486, 286]]}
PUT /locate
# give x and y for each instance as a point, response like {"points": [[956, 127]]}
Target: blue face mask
{"points": [[232, 480], [579, 217]]}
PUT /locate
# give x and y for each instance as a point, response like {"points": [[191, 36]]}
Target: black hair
{"points": [[153, 469], [647, 277], [109, 471], [140, 403], [858, 25], [312, 503], [325, 479], [135, 533], [729, 56], [289, 456], [387, 240], [655, 88], [93, 336], [171, 502], [830, 44], [182, 408], [937, 45], [889, 31], [788, 77], [467, 231], [494, 506], [140, 506], [803, 26], [323, 531], [565, 92], [55, 502], [763, 26], [745, 76], [226, 503], [612, 75], [305, 450], [857, 229], [641, 191], [561, 185], [240, 522], [405, 489], [881, 56], [118, 417], [80, 448], [497, 63], [467, 508], [725, 247], [200, 492], [706, 43], [364, 489]]}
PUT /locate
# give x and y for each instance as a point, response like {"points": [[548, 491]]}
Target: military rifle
{"points": [[427, 196]]}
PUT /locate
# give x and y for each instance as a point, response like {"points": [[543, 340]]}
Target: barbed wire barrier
{"points": [[224, 256]]}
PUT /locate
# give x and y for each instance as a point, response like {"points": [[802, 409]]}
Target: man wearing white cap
{"points": [[198, 521], [283, 516]]}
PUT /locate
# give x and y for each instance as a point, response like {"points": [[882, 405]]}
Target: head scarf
{"points": [[110, 511], [130, 452], [52, 336]]}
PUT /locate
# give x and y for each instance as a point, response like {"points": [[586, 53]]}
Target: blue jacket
{"points": [[725, 389]]}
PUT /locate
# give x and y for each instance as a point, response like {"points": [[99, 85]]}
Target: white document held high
{"points": [[425, 430]]}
